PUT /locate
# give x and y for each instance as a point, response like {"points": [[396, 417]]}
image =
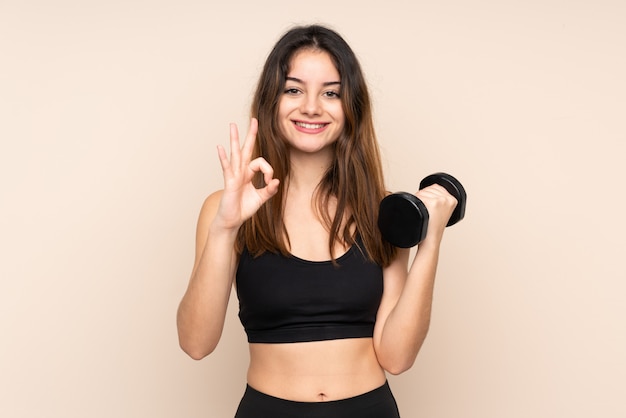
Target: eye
{"points": [[332, 94], [292, 91]]}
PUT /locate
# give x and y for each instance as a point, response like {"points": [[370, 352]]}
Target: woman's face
{"points": [[310, 112]]}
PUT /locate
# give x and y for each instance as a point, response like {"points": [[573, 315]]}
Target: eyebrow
{"points": [[327, 83]]}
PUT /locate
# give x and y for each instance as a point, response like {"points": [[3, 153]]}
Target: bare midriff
{"points": [[315, 371]]}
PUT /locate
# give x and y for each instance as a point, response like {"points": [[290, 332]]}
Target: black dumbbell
{"points": [[403, 218]]}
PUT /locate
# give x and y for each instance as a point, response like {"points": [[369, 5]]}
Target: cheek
{"points": [[283, 116], [339, 114], [283, 121], [285, 110], [281, 109], [340, 117]]}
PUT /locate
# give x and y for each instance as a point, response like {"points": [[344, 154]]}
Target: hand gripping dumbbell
{"points": [[403, 218]]}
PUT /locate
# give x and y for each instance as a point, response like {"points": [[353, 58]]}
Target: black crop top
{"points": [[288, 299]]}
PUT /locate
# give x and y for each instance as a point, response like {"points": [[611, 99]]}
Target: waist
{"points": [[315, 371]]}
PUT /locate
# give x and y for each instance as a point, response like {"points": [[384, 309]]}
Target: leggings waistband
{"points": [[378, 403]]}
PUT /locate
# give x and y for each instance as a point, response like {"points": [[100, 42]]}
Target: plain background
{"points": [[110, 113]]}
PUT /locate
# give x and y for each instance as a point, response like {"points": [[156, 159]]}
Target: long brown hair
{"points": [[355, 177]]}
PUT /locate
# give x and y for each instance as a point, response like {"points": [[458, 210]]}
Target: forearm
{"points": [[407, 325], [202, 310], [201, 313]]}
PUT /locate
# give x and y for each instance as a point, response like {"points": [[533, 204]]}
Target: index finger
{"points": [[248, 145]]}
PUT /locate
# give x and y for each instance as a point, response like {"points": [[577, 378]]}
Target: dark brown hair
{"points": [[355, 176]]}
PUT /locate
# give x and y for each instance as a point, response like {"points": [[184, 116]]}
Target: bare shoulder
{"points": [[207, 214], [210, 206]]}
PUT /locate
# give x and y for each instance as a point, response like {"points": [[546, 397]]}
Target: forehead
{"points": [[314, 62]]}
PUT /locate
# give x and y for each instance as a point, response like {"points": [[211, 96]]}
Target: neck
{"points": [[307, 170]]}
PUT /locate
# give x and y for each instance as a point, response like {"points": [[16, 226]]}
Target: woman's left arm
{"points": [[404, 314]]}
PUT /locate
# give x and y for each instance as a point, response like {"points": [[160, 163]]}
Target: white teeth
{"points": [[311, 125]]}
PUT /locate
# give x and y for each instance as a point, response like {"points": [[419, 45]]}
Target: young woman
{"points": [[328, 306]]}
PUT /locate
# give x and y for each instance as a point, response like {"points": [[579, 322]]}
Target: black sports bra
{"points": [[288, 299]]}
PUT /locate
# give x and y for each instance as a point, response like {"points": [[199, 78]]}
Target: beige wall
{"points": [[109, 117]]}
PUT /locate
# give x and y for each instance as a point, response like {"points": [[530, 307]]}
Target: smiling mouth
{"points": [[310, 125]]}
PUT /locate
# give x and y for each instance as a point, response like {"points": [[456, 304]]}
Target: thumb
{"points": [[269, 190]]}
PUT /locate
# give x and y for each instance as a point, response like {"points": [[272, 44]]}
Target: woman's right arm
{"points": [[202, 310]]}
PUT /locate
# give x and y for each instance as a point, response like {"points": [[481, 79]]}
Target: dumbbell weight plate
{"points": [[403, 219], [454, 187]]}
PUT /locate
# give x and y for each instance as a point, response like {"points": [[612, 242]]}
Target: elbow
{"points": [[399, 367], [196, 342], [196, 356], [195, 347], [195, 351], [400, 358], [396, 363]]}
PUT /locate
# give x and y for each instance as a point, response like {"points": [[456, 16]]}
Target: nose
{"points": [[311, 105]]}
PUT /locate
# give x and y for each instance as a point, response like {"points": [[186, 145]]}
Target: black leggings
{"points": [[378, 403]]}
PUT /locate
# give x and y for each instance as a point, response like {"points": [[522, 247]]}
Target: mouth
{"points": [[309, 127]]}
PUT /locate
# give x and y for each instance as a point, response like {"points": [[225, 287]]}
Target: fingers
{"points": [[235, 153], [228, 162], [238, 167], [239, 156], [224, 162], [269, 190], [436, 197], [271, 184], [260, 164], [435, 191], [248, 145]]}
